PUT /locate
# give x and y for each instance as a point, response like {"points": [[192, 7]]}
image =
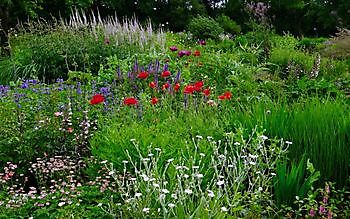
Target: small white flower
{"points": [[260, 188], [199, 175], [104, 162], [289, 142], [174, 196], [61, 204], [170, 160], [145, 178], [224, 209], [273, 174], [253, 156], [165, 191], [195, 167], [209, 138], [156, 185], [222, 157], [252, 163], [146, 159], [158, 149], [162, 196], [133, 140], [150, 155], [199, 136], [230, 166], [171, 205], [211, 194], [99, 205], [137, 195], [125, 161], [111, 173], [186, 176], [201, 154], [263, 137], [220, 183], [145, 210], [188, 191], [237, 143]]}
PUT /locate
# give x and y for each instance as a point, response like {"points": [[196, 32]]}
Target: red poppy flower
{"points": [[130, 101], [96, 99], [152, 84], [177, 87], [165, 74], [189, 89], [142, 75], [165, 86], [197, 53], [206, 92], [154, 100], [226, 96], [198, 86]]}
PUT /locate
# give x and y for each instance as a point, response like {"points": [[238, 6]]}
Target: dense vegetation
{"points": [[113, 119]]}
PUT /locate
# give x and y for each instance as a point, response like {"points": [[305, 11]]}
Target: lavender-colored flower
{"points": [[173, 48], [24, 85], [79, 88], [105, 90]]}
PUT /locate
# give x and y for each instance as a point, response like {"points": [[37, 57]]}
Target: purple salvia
{"points": [[178, 75], [166, 67], [79, 88]]}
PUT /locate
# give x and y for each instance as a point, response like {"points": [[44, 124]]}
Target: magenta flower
{"points": [[202, 42], [184, 53], [312, 213], [322, 210], [173, 48]]}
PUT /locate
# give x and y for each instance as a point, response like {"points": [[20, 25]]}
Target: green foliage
{"points": [[310, 44], [205, 27], [296, 180], [228, 25], [318, 128]]}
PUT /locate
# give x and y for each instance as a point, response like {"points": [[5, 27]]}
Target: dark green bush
{"points": [[205, 27], [228, 25]]}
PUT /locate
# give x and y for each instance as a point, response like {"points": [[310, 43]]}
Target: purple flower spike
{"points": [[173, 48], [178, 75]]}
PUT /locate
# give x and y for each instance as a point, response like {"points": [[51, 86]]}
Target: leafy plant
{"points": [[296, 180], [205, 27]]}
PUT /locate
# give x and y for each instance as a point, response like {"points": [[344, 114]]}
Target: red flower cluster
{"points": [[196, 87], [96, 99], [130, 101], [226, 96], [143, 75]]}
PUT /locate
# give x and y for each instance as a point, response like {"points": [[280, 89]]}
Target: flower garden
{"points": [[118, 120]]}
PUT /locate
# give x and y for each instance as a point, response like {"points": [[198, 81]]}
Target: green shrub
{"points": [[205, 27], [228, 25], [310, 44]]}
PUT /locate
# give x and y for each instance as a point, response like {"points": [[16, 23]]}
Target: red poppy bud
{"points": [[165, 74], [177, 87], [152, 84], [154, 100]]}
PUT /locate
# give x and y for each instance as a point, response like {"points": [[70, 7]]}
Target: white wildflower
{"points": [[224, 209], [188, 191], [145, 210]]}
